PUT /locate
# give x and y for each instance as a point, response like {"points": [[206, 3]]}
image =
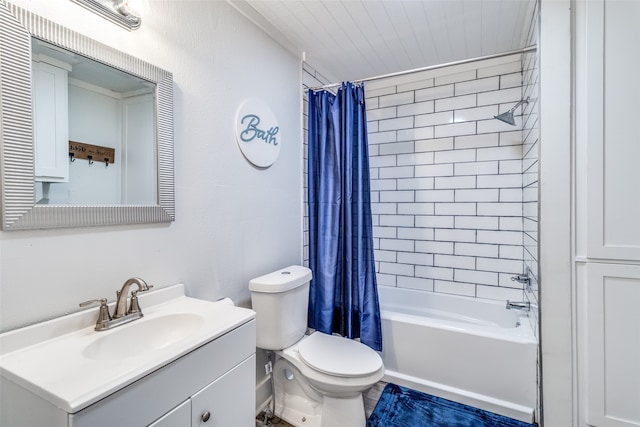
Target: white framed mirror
{"points": [[133, 184]]}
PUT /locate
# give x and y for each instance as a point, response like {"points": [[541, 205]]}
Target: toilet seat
{"points": [[338, 356]]}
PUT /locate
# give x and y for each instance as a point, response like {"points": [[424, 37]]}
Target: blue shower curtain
{"points": [[343, 295]]}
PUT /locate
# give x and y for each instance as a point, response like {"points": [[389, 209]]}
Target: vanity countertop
{"points": [[67, 363]]}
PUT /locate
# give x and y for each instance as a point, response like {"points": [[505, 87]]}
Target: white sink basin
{"points": [[143, 335], [67, 363]]}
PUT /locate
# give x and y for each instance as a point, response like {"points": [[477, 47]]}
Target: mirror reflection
{"points": [[94, 131], [87, 130]]}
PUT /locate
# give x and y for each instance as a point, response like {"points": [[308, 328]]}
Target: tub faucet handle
{"points": [[521, 278], [525, 279]]}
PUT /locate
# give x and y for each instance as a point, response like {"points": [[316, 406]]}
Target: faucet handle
{"points": [[103, 316], [91, 302], [133, 305]]}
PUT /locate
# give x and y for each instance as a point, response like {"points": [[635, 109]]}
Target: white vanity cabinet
{"points": [[51, 121], [218, 378], [224, 402], [186, 363], [177, 417]]}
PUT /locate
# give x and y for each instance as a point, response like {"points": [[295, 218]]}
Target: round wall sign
{"points": [[257, 133]]}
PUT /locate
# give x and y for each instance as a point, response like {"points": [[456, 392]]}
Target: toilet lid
{"points": [[338, 356]]}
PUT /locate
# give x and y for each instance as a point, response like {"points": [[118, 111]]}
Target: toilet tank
{"points": [[281, 300]]}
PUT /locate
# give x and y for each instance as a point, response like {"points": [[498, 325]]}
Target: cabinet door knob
{"points": [[205, 416]]}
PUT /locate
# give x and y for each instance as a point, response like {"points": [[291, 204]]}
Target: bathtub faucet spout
{"points": [[524, 305]]}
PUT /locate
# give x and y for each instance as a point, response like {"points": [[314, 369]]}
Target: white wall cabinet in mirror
{"points": [[100, 97], [50, 121]]}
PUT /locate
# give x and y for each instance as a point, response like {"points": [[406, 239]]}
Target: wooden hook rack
{"points": [[96, 153]]}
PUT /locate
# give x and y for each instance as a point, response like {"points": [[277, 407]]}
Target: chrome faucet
{"points": [[120, 313], [523, 305]]}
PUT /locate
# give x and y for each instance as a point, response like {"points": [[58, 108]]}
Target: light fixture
{"points": [[135, 8], [507, 116], [126, 13]]}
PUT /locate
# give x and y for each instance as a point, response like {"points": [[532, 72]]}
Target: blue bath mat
{"points": [[403, 407]]}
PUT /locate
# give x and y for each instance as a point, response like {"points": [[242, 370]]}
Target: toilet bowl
{"points": [[318, 378]]}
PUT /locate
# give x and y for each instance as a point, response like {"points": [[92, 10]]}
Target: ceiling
{"points": [[355, 39]]}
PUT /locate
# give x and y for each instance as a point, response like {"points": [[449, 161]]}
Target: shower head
{"points": [[507, 116]]}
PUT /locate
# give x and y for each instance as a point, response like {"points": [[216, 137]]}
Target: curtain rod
{"points": [[433, 67]]}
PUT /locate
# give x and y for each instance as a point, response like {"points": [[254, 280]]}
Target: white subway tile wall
{"points": [[453, 191], [447, 181]]}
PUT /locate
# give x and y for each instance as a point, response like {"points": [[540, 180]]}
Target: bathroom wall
{"points": [[530, 165], [446, 179], [233, 221], [558, 329], [530, 174]]}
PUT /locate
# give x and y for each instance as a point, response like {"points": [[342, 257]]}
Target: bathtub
{"points": [[463, 349]]}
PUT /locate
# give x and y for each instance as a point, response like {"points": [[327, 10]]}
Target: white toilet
{"points": [[318, 378]]}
